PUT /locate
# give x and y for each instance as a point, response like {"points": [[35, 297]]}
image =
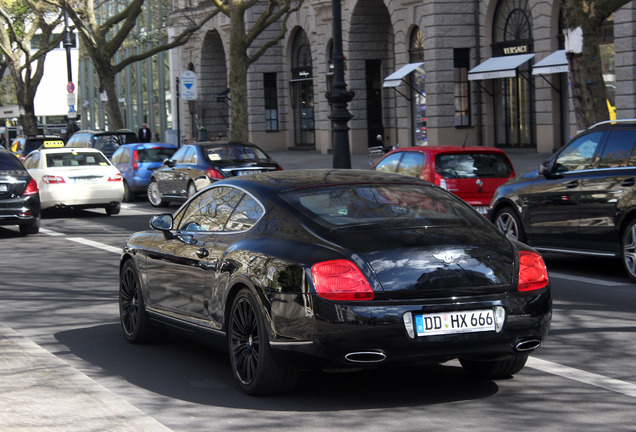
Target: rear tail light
{"points": [[439, 181], [32, 188], [135, 160], [533, 274], [214, 173], [115, 178], [340, 280], [52, 179], [279, 168]]}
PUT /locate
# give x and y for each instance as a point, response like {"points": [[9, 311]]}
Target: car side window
{"points": [[190, 156], [411, 164], [245, 215], [389, 163], [211, 210], [180, 154], [618, 149], [579, 155]]}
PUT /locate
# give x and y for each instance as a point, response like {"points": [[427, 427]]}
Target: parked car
{"points": [[105, 141], [308, 269], [76, 178], [196, 166], [581, 201], [472, 173], [25, 144], [19, 195], [137, 162]]}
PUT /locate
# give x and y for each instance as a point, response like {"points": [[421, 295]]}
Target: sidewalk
{"points": [[40, 392]]}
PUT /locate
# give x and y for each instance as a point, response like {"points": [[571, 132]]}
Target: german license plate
{"points": [[85, 180], [455, 322], [3, 188], [482, 209], [246, 172]]}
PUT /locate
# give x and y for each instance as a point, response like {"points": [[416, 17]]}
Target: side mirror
{"points": [[162, 222], [169, 163]]}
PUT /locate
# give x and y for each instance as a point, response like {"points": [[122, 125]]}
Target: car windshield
{"points": [[155, 154], [105, 142], [404, 204], [233, 153], [472, 165], [10, 163], [128, 138], [72, 159]]}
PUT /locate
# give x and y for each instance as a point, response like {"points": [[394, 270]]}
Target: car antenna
{"points": [[465, 139]]}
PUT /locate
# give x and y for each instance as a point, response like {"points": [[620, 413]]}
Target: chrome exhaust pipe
{"points": [[365, 357], [527, 345]]}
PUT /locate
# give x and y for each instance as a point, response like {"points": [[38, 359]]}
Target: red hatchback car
{"points": [[471, 173]]}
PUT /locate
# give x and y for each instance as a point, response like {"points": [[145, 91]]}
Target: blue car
{"points": [[137, 162]]}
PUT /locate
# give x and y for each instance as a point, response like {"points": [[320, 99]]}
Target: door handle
{"points": [[572, 184], [628, 182], [202, 253]]}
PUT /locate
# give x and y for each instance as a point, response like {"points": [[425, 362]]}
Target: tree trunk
{"points": [[107, 84], [25, 96], [239, 126]]}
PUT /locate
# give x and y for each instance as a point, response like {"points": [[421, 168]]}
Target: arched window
{"points": [[302, 91]]}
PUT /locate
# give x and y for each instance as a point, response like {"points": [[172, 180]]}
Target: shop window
{"points": [[462, 87], [271, 102]]}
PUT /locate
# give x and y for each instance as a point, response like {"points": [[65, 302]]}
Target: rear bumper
{"points": [[81, 197], [366, 336], [20, 210]]}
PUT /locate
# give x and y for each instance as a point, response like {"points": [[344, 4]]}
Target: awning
{"points": [[395, 79], [498, 67], [556, 62]]}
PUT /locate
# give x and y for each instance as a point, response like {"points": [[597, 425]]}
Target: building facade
{"points": [[424, 72]]}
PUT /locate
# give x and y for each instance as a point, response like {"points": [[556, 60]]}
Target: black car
{"points": [[581, 201], [25, 144], [105, 141], [337, 269], [196, 166], [19, 195]]}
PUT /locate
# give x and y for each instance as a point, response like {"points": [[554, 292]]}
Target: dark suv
{"points": [[105, 141], [25, 144], [582, 200]]}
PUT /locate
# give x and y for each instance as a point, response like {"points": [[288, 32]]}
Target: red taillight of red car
{"points": [[533, 274], [135, 160], [52, 179], [214, 174], [340, 280], [32, 188], [115, 178], [279, 168]]}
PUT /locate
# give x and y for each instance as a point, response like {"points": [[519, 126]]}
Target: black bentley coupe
{"points": [[300, 270]]}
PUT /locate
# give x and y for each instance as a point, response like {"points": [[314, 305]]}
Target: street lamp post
{"points": [[339, 96], [68, 44]]}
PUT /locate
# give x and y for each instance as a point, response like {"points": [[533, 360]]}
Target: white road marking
{"points": [[584, 279], [593, 379], [95, 244], [51, 233]]}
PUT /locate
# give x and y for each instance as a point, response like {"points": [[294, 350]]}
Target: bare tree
{"points": [[102, 36], [583, 21], [27, 23], [241, 39]]}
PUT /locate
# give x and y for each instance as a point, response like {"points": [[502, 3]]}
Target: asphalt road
{"points": [[59, 289]]}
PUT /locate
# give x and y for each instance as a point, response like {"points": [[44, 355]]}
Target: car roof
{"points": [[449, 149], [278, 181], [69, 150], [147, 145]]}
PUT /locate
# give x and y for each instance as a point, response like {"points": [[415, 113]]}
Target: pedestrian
{"points": [[145, 134]]}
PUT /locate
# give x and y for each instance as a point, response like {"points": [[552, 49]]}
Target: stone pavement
{"points": [[39, 392]]}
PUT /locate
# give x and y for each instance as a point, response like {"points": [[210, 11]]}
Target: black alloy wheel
{"points": [[134, 319], [113, 209], [629, 249], [508, 223], [253, 363]]}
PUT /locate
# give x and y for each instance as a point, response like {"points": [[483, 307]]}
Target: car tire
{"points": [[129, 195], [113, 209], [30, 228], [253, 363], [507, 221], [154, 195], [132, 310], [629, 249], [192, 189], [494, 369]]}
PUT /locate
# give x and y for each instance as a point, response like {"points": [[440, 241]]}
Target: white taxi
{"points": [[76, 178]]}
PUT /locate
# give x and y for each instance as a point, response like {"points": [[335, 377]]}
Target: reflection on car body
{"points": [[333, 269]]}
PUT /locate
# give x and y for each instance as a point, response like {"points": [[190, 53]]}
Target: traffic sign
{"points": [[70, 87], [189, 85]]}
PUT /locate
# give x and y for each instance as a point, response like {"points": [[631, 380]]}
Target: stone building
{"points": [[476, 72]]}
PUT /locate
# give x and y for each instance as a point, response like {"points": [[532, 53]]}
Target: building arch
{"points": [[301, 88], [211, 112]]}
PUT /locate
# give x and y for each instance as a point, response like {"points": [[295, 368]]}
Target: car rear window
{"points": [[403, 204], [156, 154], [233, 153], [472, 165], [72, 159], [8, 162]]}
